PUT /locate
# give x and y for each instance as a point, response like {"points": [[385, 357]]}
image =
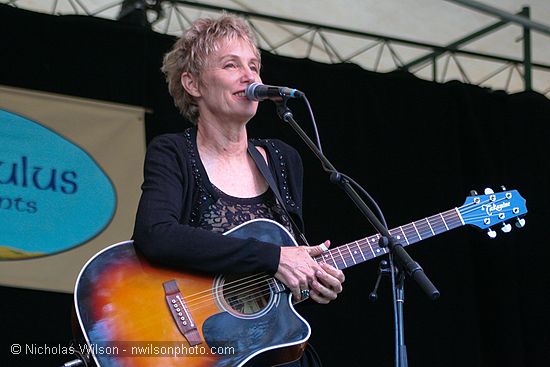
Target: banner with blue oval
{"points": [[53, 195]]}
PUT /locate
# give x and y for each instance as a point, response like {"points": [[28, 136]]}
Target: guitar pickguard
{"points": [[247, 337]]}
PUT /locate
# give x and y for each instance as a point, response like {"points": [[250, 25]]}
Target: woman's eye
{"points": [[230, 65]]}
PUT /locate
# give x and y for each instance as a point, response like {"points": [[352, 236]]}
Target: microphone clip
{"points": [[284, 113], [384, 269]]}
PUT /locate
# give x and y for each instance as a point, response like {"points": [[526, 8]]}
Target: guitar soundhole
{"points": [[245, 296]]}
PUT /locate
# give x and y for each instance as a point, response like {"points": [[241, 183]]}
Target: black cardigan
{"points": [[165, 230]]}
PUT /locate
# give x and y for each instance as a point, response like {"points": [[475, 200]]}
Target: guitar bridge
{"points": [[180, 313]]}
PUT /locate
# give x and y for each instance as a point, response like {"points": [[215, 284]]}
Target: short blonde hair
{"points": [[191, 51]]}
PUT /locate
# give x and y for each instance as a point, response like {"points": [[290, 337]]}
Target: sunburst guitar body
{"points": [[136, 314]]}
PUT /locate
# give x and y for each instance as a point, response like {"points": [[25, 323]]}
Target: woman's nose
{"points": [[249, 75]]}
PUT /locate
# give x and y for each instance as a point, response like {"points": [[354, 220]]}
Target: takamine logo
{"points": [[491, 208], [53, 195]]}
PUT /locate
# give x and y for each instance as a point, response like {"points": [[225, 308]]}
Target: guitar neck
{"points": [[365, 249]]}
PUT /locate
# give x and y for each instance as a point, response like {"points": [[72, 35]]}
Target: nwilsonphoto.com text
{"points": [[121, 349]]}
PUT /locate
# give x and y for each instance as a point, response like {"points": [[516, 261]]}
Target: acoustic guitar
{"points": [[133, 313]]}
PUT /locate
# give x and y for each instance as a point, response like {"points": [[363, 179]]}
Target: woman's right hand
{"points": [[298, 271]]}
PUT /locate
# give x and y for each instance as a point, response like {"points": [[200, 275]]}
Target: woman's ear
{"points": [[190, 83]]}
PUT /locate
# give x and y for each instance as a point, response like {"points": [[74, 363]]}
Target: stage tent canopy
{"points": [[499, 44]]}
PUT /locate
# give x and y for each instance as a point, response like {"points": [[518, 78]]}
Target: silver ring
{"points": [[304, 293]]}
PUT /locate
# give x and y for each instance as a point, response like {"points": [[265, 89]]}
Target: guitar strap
{"points": [[266, 172]]}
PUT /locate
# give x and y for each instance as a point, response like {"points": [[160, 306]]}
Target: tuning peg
{"points": [[506, 227], [491, 233], [488, 191], [503, 188], [520, 222], [473, 192]]}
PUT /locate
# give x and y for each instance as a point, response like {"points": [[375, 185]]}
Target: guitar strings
{"points": [[192, 301], [248, 291], [256, 296], [320, 258], [254, 281], [237, 285], [207, 291], [362, 244], [248, 294]]}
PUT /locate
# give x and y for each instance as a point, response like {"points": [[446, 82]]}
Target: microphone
{"points": [[260, 92]]}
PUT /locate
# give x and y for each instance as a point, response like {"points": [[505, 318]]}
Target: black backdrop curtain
{"points": [[418, 147]]}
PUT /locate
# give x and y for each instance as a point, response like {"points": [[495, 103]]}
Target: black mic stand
{"points": [[405, 262]]}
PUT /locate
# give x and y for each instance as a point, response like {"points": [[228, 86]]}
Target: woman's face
{"points": [[222, 84]]}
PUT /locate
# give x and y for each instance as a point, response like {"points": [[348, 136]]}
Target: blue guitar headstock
{"points": [[485, 211]]}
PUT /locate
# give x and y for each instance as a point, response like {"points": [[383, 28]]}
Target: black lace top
{"points": [[230, 211]]}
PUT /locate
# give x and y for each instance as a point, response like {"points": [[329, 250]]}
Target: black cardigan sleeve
{"points": [[161, 231]]}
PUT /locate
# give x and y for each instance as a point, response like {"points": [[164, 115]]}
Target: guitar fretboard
{"points": [[365, 249]]}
